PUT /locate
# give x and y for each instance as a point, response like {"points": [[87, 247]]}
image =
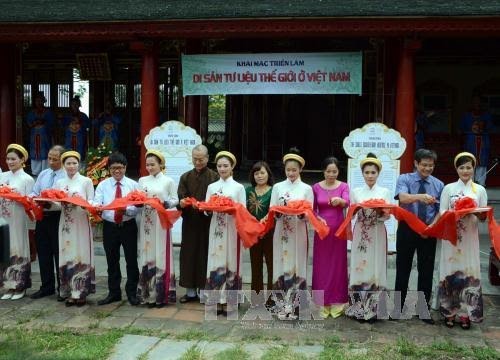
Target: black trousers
{"points": [[407, 242], [260, 251], [47, 247], [116, 235]]}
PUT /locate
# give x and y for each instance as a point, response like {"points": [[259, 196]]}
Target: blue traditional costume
{"points": [[108, 129], [40, 120], [476, 126], [76, 124]]}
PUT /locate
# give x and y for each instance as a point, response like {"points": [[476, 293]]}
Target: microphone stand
{"points": [[495, 163]]}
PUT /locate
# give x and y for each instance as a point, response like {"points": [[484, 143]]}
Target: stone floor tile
{"points": [[255, 350], [211, 348], [310, 351], [131, 347], [170, 349], [190, 315], [163, 313], [116, 322], [191, 306], [79, 321], [129, 311], [148, 324], [54, 318]]}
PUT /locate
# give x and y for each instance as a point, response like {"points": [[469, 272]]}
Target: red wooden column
{"points": [[192, 104], [149, 95], [7, 100], [405, 101]]}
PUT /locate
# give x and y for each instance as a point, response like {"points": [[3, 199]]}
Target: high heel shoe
{"points": [[18, 295], [7, 295], [465, 323], [324, 312], [449, 322]]}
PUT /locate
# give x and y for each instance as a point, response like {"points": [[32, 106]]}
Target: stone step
{"points": [[131, 347]]}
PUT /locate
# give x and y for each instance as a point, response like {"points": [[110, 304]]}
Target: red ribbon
{"points": [[32, 210], [136, 197], [345, 231], [62, 196], [446, 226], [248, 227], [297, 207]]}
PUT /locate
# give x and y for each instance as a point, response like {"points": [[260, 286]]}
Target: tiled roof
{"points": [[149, 10]]}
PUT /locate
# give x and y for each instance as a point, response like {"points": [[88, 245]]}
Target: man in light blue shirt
{"points": [[47, 229], [419, 193], [119, 229]]}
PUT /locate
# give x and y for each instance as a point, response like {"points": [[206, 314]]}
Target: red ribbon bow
{"points": [[247, 226], [136, 197]]}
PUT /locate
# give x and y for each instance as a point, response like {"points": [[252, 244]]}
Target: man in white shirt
{"points": [[47, 229], [120, 229]]}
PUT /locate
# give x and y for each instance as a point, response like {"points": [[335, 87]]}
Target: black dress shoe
{"points": [[69, 303], [109, 299], [133, 300], [40, 294], [61, 298], [186, 299], [429, 321]]}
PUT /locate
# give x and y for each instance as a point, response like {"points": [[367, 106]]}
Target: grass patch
{"points": [[404, 348], [23, 318], [132, 330], [282, 353], [260, 337], [236, 353], [99, 315], [253, 337], [407, 348], [45, 345], [193, 334], [193, 353], [441, 350], [333, 341]]}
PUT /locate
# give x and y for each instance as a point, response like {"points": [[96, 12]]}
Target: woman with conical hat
{"points": [[224, 265], [76, 247], [459, 292], [16, 277], [368, 263], [156, 261]]}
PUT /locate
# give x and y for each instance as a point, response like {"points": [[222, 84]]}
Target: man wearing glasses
{"points": [[120, 229]]}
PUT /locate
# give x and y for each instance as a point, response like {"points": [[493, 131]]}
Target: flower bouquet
{"points": [[97, 161]]}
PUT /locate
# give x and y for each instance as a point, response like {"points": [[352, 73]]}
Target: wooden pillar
{"points": [[192, 104], [192, 112], [149, 95], [405, 101], [7, 100], [96, 107]]}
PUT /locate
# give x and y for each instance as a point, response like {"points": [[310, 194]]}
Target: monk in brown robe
{"points": [[195, 225]]}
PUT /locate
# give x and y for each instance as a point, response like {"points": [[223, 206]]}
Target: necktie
{"points": [[51, 179], [118, 194], [422, 211]]}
